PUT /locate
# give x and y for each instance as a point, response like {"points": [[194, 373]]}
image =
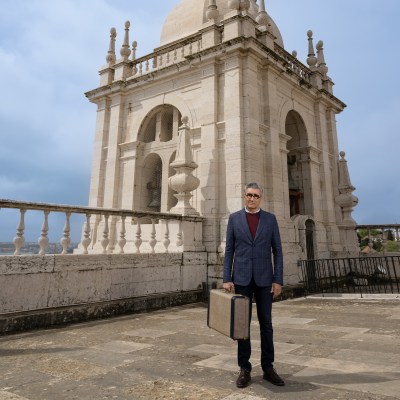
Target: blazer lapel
{"points": [[245, 225], [262, 223]]}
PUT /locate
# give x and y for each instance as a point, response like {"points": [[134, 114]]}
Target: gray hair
{"points": [[254, 185]]}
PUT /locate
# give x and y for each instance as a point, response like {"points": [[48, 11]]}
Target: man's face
{"points": [[252, 199]]}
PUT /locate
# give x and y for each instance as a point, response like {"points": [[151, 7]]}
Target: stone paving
{"points": [[325, 349]]}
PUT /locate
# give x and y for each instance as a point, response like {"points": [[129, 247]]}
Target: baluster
{"points": [[86, 235], [153, 240], [134, 70], [113, 234], [166, 240], [175, 54], [147, 65], [167, 58], [183, 52], [19, 240], [44, 240], [138, 240], [141, 69], [106, 239], [179, 241], [154, 62], [122, 240], [190, 49], [199, 45], [160, 60], [65, 240]]}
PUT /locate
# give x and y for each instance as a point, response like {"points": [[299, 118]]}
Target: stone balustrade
{"points": [[293, 65], [165, 57], [108, 231]]}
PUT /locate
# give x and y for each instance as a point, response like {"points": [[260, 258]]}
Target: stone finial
{"points": [[244, 5], [321, 58], [294, 53], [234, 4], [311, 60], [134, 47], [212, 12], [125, 50], [262, 16], [183, 182], [344, 177], [111, 50], [346, 200], [239, 5]]}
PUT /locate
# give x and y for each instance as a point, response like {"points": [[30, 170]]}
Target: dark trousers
{"points": [[263, 298]]}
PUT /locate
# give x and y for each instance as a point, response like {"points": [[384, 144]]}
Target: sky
{"points": [[51, 52]]}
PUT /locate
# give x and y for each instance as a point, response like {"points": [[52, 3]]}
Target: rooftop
{"points": [[325, 349]]}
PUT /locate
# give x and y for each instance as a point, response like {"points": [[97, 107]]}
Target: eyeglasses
{"points": [[251, 195]]}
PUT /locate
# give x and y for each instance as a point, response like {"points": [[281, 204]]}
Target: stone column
{"points": [[273, 159], [99, 162], [209, 159], [112, 173]]}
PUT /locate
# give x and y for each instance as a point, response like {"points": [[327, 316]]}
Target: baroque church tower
{"points": [[222, 97]]}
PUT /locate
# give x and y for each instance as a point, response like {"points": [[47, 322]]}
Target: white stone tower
{"points": [[250, 111]]}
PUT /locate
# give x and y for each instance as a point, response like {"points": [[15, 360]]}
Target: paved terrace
{"points": [[326, 349]]}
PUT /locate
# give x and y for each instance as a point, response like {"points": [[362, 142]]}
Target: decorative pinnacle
{"points": [[185, 121], [234, 4], [321, 58], [294, 53], [111, 50], [125, 50], [311, 60], [212, 12], [262, 16], [134, 47], [239, 5]]}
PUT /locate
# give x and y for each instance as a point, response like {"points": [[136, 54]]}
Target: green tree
{"points": [[392, 246]]}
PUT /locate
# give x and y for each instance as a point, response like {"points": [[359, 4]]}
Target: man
{"points": [[251, 238]]}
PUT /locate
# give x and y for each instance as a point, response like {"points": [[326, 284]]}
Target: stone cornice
{"points": [[240, 43]]}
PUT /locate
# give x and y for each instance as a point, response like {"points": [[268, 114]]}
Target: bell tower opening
{"points": [[297, 166]]}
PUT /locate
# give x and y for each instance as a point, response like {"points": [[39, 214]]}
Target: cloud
{"points": [[51, 52]]}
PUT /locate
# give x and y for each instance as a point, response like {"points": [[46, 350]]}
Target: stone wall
{"points": [[31, 283]]}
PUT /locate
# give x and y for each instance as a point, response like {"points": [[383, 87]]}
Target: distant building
{"points": [[254, 113]]}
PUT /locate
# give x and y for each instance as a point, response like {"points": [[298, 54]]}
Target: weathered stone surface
{"points": [[325, 349]]}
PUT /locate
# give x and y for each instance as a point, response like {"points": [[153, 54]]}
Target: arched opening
{"points": [[161, 124], [297, 165], [151, 184]]}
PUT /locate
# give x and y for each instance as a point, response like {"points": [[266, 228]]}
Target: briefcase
{"points": [[229, 314]]}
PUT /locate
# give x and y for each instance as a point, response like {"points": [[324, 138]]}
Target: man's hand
{"points": [[228, 286], [276, 289]]}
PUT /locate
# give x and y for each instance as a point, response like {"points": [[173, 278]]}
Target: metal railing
{"points": [[351, 275]]}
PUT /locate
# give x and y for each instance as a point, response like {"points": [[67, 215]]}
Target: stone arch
{"points": [[306, 235], [169, 99], [298, 166], [160, 124]]}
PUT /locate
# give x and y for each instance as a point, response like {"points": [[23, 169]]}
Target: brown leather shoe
{"points": [[270, 375], [243, 379]]}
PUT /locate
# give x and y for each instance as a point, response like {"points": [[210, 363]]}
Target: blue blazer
{"points": [[246, 258]]}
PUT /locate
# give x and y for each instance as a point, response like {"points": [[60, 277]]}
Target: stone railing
{"points": [[147, 232], [165, 57], [293, 65]]}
